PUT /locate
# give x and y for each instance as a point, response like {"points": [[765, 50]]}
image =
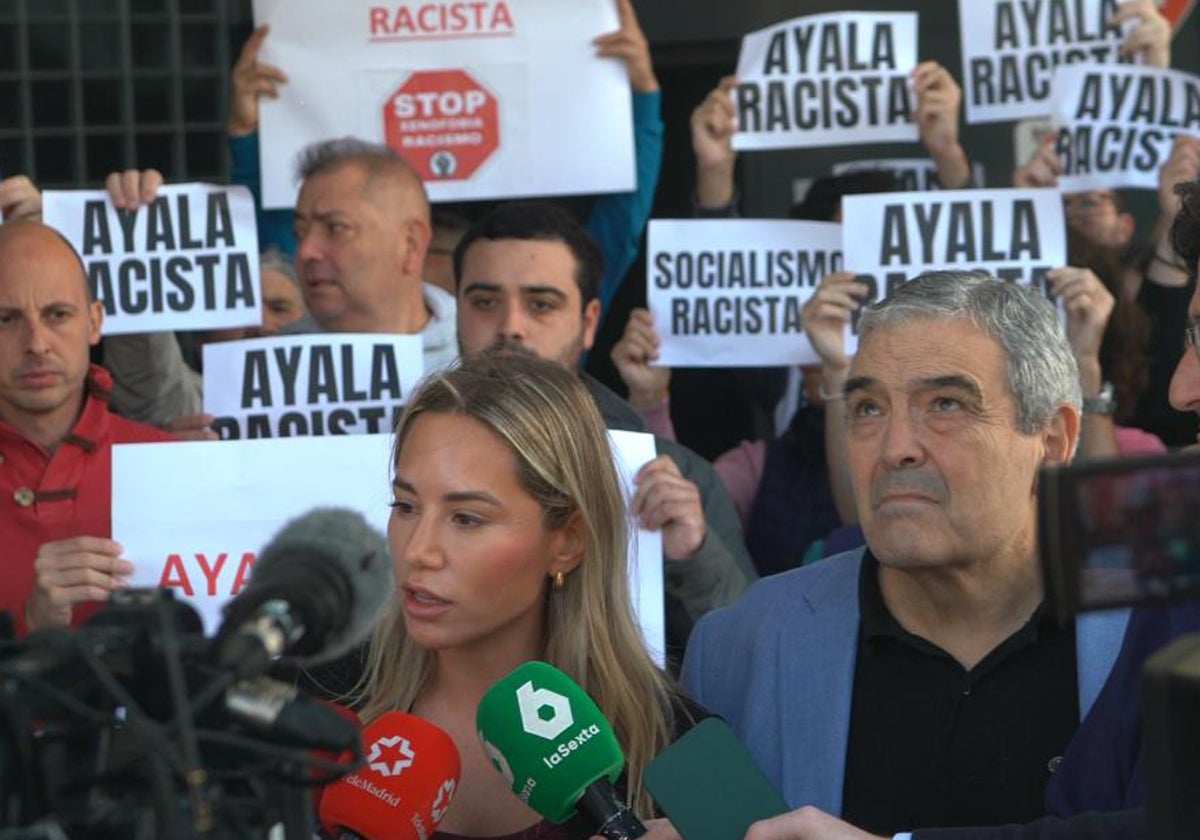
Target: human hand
{"points": [[71, 571], [713, 124], [939, 99], [807, 823], [192, 427], [1088, 304], [132, 188], [19, 199], [632, 355], [663, 500], [1150, 38], [251, 79], [1043, 169], [1181, 166], [630, 45], [826, 313]]}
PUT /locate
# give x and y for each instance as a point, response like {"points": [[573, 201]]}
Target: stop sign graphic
{"points": [[443, 122]]}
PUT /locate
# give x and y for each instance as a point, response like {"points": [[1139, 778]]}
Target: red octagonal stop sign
{"points": [[443, 122]]}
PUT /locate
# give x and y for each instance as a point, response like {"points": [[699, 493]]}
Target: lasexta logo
{"points": [[544, 713]]}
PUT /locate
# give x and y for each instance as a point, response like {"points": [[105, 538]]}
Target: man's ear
{"points": [[591, 322], [1061, 435], [95, 316], [415, 243], [569, 545]]}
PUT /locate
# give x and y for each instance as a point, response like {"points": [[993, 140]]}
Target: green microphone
{"points": [[549, 739]]}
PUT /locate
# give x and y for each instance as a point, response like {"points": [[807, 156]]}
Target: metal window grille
{"points": [[91, 86]]}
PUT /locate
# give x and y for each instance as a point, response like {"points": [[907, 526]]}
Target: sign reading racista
{"points": [[457, 88]]}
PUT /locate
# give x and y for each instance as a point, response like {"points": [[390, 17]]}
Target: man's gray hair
{"points": [[327, 155], [1042, 373], [273, 259]]}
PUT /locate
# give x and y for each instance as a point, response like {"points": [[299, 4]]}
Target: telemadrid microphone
{"points": [[315, 593], [549, 739], [403, 790]]}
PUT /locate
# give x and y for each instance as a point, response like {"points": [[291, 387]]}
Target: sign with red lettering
{"points": [[414, 21], [193, 516], [444, 123], [488, 98]]}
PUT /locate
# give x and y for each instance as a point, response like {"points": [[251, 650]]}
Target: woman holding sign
{"points": [[509, 536]]}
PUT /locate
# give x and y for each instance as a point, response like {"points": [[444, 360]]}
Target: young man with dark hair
{"points": [[528, 277]]}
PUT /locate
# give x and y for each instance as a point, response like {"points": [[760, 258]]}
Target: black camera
{"points": [[1126, 533], [129, 726]]}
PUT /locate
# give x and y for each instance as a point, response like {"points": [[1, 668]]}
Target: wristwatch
{"points": [[1103, 403]]}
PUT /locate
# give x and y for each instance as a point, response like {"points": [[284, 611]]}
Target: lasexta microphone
{"points": [[549, 739], [403, 790], [316, 591]]}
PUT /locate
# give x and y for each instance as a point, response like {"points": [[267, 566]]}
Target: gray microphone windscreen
{"points": [[338, 553]]}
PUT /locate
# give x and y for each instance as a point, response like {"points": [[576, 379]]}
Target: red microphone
{"points": [[403, 791]]}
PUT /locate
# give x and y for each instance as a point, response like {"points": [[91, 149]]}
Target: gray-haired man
{"points": [[921, 682], [362, 231]]}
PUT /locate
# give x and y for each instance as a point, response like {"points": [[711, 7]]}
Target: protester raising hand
{"points": [[713, 124], [633, 355], [1150, 38], [1043, 169], [825, 317], [630, 45], [19, 199], [133, 188], [251, 79], [1182, 165], [939, 101], [1089, 305], [663, 500]]}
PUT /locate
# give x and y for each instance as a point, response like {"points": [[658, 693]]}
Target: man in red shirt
{"points": [[56, 435]]}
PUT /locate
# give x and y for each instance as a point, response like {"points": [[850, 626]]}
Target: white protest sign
{"points": [[632, 451], [912, 174], [186, 261], [729, 292], [487, 99], [1011, 47], [1118, 123], [827, 80], [1017, 235], [193, 516], [319, 384]]}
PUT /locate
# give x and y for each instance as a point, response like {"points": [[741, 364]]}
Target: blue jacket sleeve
{"points": [[1103, 768], [274, 226], [618, 219]]}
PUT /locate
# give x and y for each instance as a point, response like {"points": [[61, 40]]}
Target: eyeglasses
{"points": [[1082, 204], [1191, 337]]}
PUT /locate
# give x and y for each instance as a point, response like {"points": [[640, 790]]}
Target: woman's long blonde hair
{"points": [[552, 427]]}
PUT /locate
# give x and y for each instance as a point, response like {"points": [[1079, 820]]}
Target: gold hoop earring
{"points": [[559, 580]]}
